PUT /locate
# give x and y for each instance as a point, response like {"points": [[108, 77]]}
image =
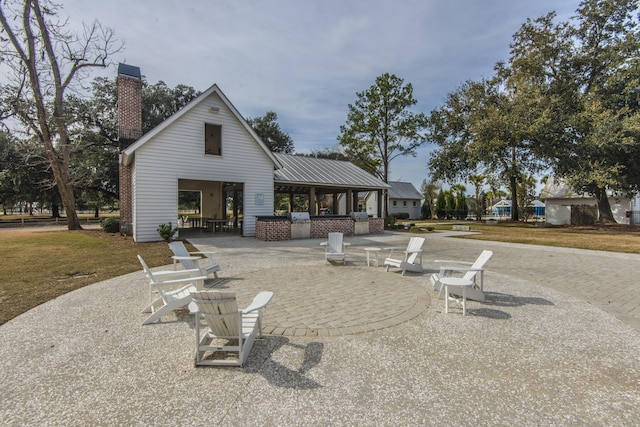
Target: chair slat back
{"points": [[478, 263], [147, 270], [415, 245], [335, 243], [220, 311], [180, 250]]}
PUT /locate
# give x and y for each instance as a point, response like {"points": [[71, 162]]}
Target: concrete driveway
{"points": [[556, 343]]}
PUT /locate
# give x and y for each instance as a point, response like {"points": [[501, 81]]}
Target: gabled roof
{"points": [[557, 188], [507, 203], [403, 190], [502, 204], [312, 171], [128, 153]]}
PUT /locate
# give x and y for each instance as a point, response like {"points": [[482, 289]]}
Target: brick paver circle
{"points": [[333, 299]]}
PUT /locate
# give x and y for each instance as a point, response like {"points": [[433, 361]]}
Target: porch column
{"points": [[235, 209], [380, 204], [313, 204], [291, 201], [354, 194]]}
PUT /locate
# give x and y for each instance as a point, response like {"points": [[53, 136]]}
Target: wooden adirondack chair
{"points": [[335, 248], [412, 258], [169, 290], [466, 270], [191, 260], [230, 331]]}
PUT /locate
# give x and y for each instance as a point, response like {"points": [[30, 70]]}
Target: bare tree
{"points": [[44, 58]]}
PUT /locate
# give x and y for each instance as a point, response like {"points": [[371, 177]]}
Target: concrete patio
{"points": [[556, 343]]}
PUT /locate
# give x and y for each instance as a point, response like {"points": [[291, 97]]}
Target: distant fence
{"points": [[39, 222]]}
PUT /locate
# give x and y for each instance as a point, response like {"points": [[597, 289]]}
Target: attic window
{"points": [[212, 139]]}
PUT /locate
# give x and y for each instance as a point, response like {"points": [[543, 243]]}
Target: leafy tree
{"points": [[487, 126], [8, 164], [526, 195], [588, 72], [477, 180], [441, 205], [458, 202], [430, 192], [333, 153], [160, 102], [95, 162], [269, 131], [46, 59], [381, 127]]}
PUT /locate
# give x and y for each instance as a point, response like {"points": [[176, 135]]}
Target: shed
{"points": [[207, 146], [404, 198], [563, 206]]}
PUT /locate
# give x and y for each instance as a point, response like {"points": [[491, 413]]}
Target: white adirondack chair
{"points": [[190, 260], [412, 258], [466, 270], [169, 290], [230, 332], [335, 248]]}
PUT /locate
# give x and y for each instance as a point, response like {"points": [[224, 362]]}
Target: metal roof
{"points": [[312, 171], [403, 190]]}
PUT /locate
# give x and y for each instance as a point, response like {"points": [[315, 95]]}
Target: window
{"points": [[415, 203], [212, 139], [404, 203], [395, 203]]}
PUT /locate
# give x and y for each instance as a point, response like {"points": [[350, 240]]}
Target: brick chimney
{"points": [[129, 84]]}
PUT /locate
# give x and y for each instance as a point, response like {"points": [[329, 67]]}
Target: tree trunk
{"points": [[604, 208], [96, 212], [514, 198]]}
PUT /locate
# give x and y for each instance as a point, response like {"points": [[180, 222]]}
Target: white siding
{"points": [[177, 152], [558, 211], [413, 211]]}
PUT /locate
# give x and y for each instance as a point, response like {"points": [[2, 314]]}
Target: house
{"points": [[503, 208], [208, 147], [634, 214], [563, 206], [404, 198]]}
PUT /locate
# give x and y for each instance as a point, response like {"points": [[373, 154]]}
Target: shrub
{"points": [[402, 215], [390, 222], [167, 231], [110, 224]]}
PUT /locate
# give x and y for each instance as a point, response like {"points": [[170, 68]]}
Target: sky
{"points": [[306, 60]]}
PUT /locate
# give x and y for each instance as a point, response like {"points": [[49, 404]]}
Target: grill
{"points": [[359, 216], [299, 216], [360, 222], [300, 225]]}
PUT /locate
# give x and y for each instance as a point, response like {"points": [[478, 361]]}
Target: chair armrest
{"points": [[459, 269], [206, 253], [451, 261], [178, 273], [324, 243], [186, 280], [193, 258], [390, 249], [260, 300]]}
